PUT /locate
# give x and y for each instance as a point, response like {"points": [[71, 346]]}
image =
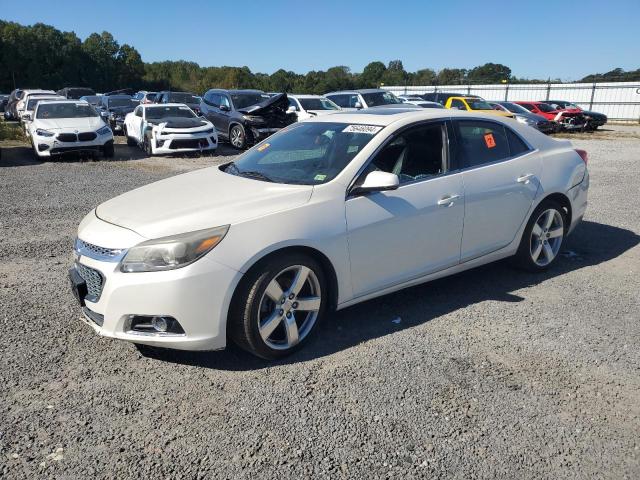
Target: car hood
{"points": [[532, 116], [180, 122], [593, 114], [197, 200], [87, 123], [277, 102]]}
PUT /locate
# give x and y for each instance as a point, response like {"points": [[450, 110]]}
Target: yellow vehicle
{"points": [[474, 104]]}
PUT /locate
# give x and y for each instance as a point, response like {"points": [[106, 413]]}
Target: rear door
{"points": [[500, 175]]}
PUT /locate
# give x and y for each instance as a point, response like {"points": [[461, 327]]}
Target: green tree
{"points": [[489, 73]]}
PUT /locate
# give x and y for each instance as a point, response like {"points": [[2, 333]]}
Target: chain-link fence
{"points": [[617, 100]]}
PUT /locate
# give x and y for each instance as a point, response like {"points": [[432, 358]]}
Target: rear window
{"points": [[317, 104], [380, 98]]}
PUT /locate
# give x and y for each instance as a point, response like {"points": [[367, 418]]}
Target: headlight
{"points": [[525, 120], [103, 131], [253, 119], [173, 252], [44, 133]]}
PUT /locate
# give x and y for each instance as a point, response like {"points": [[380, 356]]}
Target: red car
{"points": [[567, 119]]}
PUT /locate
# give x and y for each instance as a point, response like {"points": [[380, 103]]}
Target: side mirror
{"points": [[291, 109], [224, 108], [358, 105], [377, 181]]}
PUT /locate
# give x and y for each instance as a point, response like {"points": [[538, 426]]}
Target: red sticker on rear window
{"points": [[489, 140]]}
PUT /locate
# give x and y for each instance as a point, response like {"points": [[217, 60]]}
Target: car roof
{"points": [[247, 90], [362, 90], [162, 105], [295, 95], [64, 100]]}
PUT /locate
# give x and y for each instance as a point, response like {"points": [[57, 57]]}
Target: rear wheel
{"points": [[543, 237], [238, 137], [278, 306]]}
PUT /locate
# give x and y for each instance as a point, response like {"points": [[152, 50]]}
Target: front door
{"points": [[396, 236]]}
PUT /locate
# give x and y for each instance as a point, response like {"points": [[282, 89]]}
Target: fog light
{"points": [[160, 324]]}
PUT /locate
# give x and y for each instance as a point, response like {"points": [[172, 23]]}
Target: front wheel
{"points": [[238, 137], [542, 237], [146, 145], [278, 306], [130, 140], [108, 150]]}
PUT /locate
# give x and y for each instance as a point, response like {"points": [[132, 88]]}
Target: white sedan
{"points": [[325, 214], [66, 126], [169, 128]]}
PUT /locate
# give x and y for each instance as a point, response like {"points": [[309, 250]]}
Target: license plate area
{"points": [[78, 286]]}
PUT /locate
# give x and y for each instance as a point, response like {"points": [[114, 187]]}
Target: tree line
{"points": [[43, 56]]}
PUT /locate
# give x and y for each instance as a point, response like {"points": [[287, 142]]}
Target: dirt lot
{"points": [[493, 373]]}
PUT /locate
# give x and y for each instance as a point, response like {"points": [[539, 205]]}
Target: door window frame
{"points": [[453, 146], [448, 134]]}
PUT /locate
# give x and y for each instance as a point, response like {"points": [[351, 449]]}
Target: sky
{"points": [[564, 39]]}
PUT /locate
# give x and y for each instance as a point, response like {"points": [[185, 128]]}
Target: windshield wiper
{"points": [[254, 174]]}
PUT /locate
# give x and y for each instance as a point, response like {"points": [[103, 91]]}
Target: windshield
{"points": [[380, 98], [178, 97], [475, 104], [545, 108], [514, 107], [307, 153], [65, 110], [318, 104], [120, 102], [244, 100], [157, 113]]}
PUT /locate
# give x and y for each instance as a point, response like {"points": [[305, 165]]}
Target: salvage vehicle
{"points": [[190, 99], [74, 93], [474, 104], [32, 102], [366, 98], [69, 126], [28, 94], [594, 119], [169, 128], [245, 117], [416, 100], [523, 115], [323, 215], [566, 120], [309, 106], [10, 112], [113, 109]]}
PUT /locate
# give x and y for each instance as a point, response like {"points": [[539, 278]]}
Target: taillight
{"points": [[583, 155]]}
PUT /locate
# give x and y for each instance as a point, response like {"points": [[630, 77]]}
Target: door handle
{"points": [[525, 178], [447, 200]]}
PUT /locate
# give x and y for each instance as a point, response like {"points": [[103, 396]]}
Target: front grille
{"points": [[99, 253], [67, 137], [94, 281], [189, 143], [87, 136]]}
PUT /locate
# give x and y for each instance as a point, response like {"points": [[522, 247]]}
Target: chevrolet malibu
{"points": [[325, 214]]}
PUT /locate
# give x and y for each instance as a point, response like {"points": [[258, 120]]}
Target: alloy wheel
{"points": [[289, 307], [237, 137], [546, 237]]}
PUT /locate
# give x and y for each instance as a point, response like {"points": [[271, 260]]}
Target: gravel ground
{"points": [[492, 373]]}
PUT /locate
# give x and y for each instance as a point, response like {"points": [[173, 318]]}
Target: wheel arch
{"points": [[327, 268], [562, 200]]}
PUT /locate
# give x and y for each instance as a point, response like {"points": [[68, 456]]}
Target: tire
{"points": [[542, 238], [266, 317], [238, 137], [108, 150], [130, 141]]}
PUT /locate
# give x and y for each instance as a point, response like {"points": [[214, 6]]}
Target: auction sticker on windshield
{"points": [[370, 129]]}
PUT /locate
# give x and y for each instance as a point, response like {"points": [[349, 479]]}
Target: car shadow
{"points": [[591, 244]]}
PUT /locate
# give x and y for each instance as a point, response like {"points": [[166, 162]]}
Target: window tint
{"points": [[353, 99], [340, 100], [458, 104], [516, 145], [224, 100], [480, 142], [415, 154]]}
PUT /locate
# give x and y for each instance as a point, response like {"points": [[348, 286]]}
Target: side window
{"points": [[340, 100], [353, 99], [480, 142], [516, 144], [415, 154], [138, 112], [224, 100], [459, 104], [528, 106]]}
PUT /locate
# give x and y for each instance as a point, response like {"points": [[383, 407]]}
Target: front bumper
{"points": [[164, 142], [578, 195], [51, 146]]}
